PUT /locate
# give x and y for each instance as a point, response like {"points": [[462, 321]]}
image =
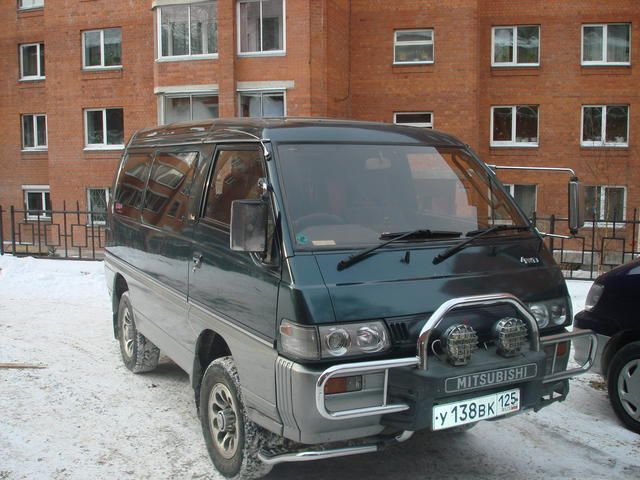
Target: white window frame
{"points": [[605, 37], [189, 56], [261, 53], [102, 66], [39, 76], [418, 124], [604, 142], [432, 42], [602, 222], [42, 189], [33, 7], [511, 188], [263, 92], [514, 63], [165, 96], [107, 198], [512, 143], [34, 119], [104, 145]]}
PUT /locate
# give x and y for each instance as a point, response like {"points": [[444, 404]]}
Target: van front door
{"points": [[239, 287]]}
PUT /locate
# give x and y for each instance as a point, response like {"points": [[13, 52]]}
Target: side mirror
{"points": [[576, 205], [248, 226]]}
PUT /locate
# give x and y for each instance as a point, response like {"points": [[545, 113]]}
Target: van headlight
{"points": [[551, 312], [331, 341], [353, 339]]}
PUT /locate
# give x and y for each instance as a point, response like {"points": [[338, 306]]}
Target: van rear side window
{"points": [[235, 177], [131, 182], [167, 196]]}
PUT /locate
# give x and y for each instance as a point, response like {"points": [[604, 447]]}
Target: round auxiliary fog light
{"points": [[338, 342], [511, 334], [459, 342]]}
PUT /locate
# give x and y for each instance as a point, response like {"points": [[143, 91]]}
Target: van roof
{"points": [[288, 129]]}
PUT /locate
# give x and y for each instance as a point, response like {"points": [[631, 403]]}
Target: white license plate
{"points": [[475, 409]]}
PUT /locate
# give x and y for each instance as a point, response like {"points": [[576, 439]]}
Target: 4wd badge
{"points": [[529, 260]]}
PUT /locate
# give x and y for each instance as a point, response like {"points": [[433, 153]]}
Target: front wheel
{"points": [[624, 385], [233, 441]]}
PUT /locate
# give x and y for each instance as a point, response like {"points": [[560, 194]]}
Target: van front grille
{"points": [[404, 330]]}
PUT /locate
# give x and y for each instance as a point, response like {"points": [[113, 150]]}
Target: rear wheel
{"points": [[138, 353], [233, 441], [624, 385]]}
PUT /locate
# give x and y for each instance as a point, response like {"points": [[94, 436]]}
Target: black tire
{"points": [[623, 383], [138, 353], [220, 427]]}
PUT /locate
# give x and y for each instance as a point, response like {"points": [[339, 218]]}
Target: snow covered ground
{"points": [[86, 416]]}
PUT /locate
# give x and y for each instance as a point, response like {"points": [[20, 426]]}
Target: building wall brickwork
{"points": [[338, 63]]}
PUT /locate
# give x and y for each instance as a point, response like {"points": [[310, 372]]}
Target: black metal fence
{"points": [[598, 247], [67, 233], [80, 234]]}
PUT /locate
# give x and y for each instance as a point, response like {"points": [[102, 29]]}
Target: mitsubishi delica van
{"points": [[331, 286]]}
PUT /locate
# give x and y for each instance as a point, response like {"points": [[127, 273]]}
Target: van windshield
{"points": [[349, 195]]}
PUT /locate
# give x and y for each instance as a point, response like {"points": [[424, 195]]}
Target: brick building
{"points": [[527, 82]]}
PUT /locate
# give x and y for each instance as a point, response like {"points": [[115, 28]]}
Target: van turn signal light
{"points": [[343, 385]]}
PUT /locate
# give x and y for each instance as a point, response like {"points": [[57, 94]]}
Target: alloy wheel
{"points": [[223, 420]]}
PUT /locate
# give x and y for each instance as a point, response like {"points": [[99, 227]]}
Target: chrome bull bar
{"points": [[566, 337], [475, 301], [420, 361]]}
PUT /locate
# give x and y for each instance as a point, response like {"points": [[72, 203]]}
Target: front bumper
{"points": [[399, 394]]}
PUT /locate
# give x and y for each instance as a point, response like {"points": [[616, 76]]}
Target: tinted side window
{"points": [[130, 187], [169, 188], [235, 177]]}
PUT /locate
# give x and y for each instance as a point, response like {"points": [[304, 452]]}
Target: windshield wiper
{"points": [[395, 237], [475, 235]]}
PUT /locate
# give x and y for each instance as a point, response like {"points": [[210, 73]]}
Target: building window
{"points": [[514, 126], [37, 202], [525, 197], [104, 128], [606, 44], [32, 61], [185, 108], [605, 204], [605, 126], [188, 30], [262, 104], [413, 46], [102, 48], [516, 46], [97, 201], [414, 119], [28, 4], [261, 26], [34, 132]]}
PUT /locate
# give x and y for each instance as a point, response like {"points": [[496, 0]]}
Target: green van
{"points": [[331, 286]]}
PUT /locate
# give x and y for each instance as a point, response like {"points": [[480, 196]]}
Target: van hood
{"points": [[404, 281]]}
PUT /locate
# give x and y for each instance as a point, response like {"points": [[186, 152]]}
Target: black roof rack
{"points": [[288, 129]]}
